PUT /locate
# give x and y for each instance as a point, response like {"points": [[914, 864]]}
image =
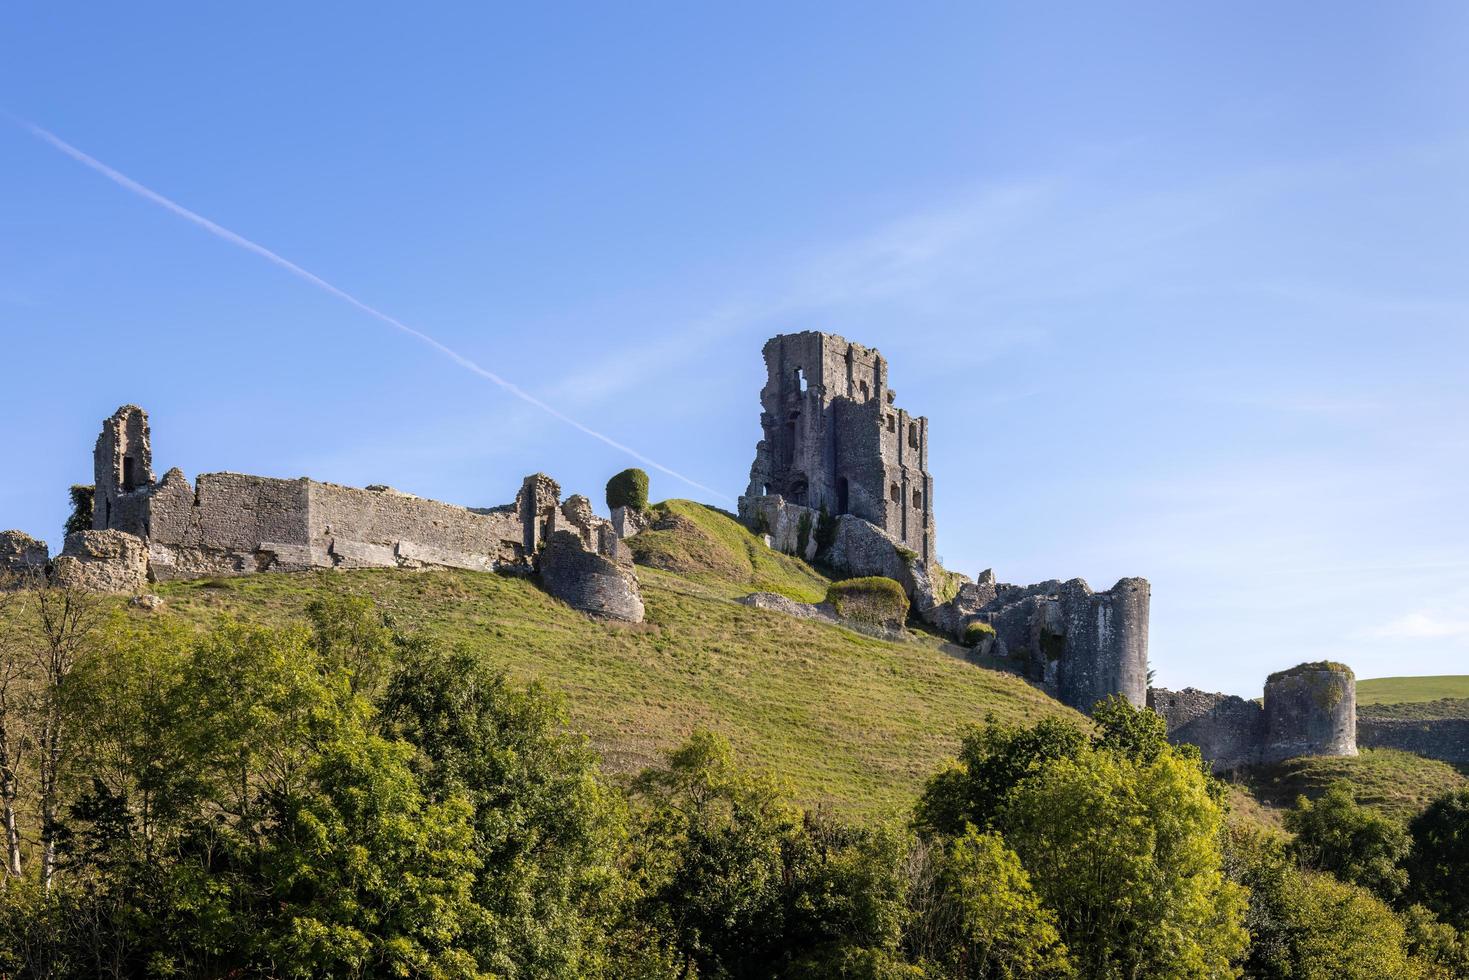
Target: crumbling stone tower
{"points": [[122, 464], [834, 438]]}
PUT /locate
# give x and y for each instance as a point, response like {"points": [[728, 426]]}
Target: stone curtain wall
{"points": [[383, 528], [1229, 731], [1440, 738], [1308, 710], [21, 555]]}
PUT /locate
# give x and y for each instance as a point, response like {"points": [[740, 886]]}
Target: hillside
{"points": [[1396, 783], [849, 720], [1405, 690]]}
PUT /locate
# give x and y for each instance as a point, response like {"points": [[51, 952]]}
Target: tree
{"points": [[353, 638], [1438, 860], [1001, 929], [1358, 845], [80, 518], [710, 859], [993, 759], [1127, 854], [628, 489], [547, 831], [16, 669], [64, 621]]}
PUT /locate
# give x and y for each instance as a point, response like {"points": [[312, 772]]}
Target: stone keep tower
{"points": [[834, 438], [122, 464]]}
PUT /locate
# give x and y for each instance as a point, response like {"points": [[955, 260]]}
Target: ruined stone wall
{"points": [[1229, 731], [382, 528], [21, 556], [122, 464], [102, 561], [228, 524], [597, 583], [1085, 646], [1310, 710], [1438, 738]]}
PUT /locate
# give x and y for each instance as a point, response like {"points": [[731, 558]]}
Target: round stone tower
{"points": [[1310, 709]]}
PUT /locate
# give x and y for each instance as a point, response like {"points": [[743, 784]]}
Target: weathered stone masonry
{"points": [[834, 439], [1307, 710], [837, 452], [233, 524]]}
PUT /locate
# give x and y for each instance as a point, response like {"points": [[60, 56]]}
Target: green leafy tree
{"points": [[1126, 853], [1357, 844], [628, 489], [1001, 928], [845, 896], [711, 859], [353, 639], [548, 832], [1438, 949], [993, 759], [1438, 862]]}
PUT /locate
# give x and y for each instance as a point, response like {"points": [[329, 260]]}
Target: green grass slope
{"points": [[846, 719], [1396, 783], [1405, 690], [712, 548]]}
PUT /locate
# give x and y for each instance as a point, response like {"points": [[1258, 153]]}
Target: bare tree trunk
{"points": [[66, 618], [14, 668]]}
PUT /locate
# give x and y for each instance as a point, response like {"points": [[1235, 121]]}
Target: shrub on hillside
{"points": [[628, 489], [976, 633], [876, 601]]}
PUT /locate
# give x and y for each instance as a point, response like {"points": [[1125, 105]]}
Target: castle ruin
{"points": [[225, 524], [840, 477]]}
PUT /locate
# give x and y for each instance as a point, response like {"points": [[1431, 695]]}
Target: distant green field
{"points": [[1404, 690]]}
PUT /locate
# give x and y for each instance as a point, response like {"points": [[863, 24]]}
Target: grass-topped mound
{"points": [[713, 548], [1319, 666], [1396, 783], [1405, 690], [872, 601], [847, 720]]}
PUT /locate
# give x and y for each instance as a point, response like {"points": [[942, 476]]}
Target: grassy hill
{"points": [[1396, 783], [847, 719], [1405, 690]]}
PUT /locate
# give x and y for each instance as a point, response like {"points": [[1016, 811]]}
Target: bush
{"points": [[628, 489], [977, 633], [876, 601]]}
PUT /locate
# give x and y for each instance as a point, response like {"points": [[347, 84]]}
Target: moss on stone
{"points": [[1314, 667]]}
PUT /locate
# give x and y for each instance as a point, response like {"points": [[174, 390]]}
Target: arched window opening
{"points": [[862, 386], [913, 434], [799, 491], [800, 380], [892, 423], [917, 499], [843, 495], [129, 475], [894, 494]]}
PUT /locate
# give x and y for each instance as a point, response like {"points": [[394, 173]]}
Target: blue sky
{"points": [[1180, 286]]}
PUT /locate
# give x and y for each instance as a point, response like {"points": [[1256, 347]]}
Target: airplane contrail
{"points": [[219, 231]]}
